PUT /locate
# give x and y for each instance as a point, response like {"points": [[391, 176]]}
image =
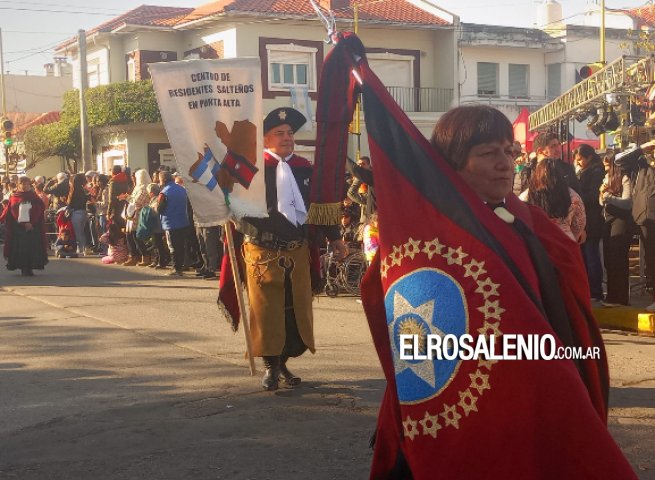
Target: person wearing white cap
{"points": [[277, 254]]}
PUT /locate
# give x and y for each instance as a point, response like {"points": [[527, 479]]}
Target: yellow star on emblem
{"points": [[479, 381], [455, 256], [396, 256], [474, 269], [491, 310], [450, 416], [468, 402], [411, 248], [432, 248], [282, 115], [409, 426], [494, 327], [430, 425], [487, 288], [384, 267]]}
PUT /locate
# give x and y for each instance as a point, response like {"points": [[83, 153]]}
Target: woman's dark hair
{"points": [[548, 189], [614, 177], [77, 190], [462, 128], [103, 180], [587, 151]]}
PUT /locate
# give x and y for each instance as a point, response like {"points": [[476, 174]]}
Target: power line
{"points": [[20, 9], [36, 51], [60, 5]]}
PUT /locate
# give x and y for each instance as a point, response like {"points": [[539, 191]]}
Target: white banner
{"points": [[212, 112]]}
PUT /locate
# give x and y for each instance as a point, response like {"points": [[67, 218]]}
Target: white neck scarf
{"points": [[289, 201]]}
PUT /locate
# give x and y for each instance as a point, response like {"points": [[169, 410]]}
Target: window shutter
{"points": [[487, 78], [554, 85], [281, 56], [518, 81]]}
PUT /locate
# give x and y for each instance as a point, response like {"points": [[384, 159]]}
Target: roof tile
{"points": [[645, 14], [394, 11]]}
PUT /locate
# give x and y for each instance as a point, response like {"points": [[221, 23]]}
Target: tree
{"points": [[58, 139], [115, 104]]}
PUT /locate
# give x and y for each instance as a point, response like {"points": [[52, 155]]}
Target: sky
{"points": [[31, 28]]}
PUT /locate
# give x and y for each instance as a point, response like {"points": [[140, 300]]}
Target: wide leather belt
{"points": [[274, 243]]}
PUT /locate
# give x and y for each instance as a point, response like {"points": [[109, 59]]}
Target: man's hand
{"points": [[339, 248], [28, 226]]}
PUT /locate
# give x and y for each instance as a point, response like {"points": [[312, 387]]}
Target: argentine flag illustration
{"points": [[206, 171]]}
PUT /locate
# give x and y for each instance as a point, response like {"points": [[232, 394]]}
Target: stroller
{"points": [[345, 275]]}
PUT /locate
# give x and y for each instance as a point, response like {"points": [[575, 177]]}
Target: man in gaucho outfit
{"points": [[277, 255]]}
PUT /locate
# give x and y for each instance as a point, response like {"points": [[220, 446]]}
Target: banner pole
{"points": [[239, 289]]}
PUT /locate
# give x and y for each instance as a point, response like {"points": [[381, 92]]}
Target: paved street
{"points": [[123, 373]]}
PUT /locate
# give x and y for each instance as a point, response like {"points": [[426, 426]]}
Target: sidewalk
{"points": [[111, 372]]}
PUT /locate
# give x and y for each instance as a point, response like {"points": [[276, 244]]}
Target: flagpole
{"points": [[239, 289]]}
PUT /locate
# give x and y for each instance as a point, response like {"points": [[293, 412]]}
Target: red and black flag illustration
{"points": [[241, 169], [447, 264]]}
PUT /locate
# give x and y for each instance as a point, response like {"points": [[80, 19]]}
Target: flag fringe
{"points": [[324, 214], [234, 324]]}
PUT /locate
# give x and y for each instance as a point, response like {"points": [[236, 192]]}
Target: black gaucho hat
{"points": [[284, 116]]}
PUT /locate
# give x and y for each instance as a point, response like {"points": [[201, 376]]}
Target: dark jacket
{"points": [[58, 193], [643, 194], [591, 179], [277, 224], [58, 189]]}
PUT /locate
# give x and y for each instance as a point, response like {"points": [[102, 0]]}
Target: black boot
{"points": [[286, 375], [270, 380]]}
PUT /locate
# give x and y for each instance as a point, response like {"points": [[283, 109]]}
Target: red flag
{"points": [[227, 300], [449, 265]]}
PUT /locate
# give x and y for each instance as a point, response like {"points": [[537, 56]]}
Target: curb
{"points": [[626, 318]]}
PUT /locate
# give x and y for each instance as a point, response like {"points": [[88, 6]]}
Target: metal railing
{"points": [[422, 99]]}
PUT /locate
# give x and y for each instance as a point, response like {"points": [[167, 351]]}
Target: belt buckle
{"points": [[293, 245]]}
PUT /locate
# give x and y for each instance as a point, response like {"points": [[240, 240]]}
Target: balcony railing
{"points": [[531, 102], [420, 99]]}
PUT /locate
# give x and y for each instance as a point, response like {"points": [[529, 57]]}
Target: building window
{"points": [[291, 65], [487, 78], [518, 80], [553, 80]]}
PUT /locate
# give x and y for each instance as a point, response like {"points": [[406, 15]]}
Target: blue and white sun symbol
{"points": [[425, 302]]}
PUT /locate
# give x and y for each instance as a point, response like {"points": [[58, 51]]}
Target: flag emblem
{"points": [[425, 302]]}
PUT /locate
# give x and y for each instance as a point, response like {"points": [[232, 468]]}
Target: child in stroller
{"points": [[65, 246]]}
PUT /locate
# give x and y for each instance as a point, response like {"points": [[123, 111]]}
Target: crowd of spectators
{"points": [[130, 219], [134, 219], [602, 203]]}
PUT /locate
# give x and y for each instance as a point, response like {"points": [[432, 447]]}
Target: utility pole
{"points": [[4, 103], [85, 134]]}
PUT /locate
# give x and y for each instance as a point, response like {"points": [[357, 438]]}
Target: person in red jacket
{"points": [[25, 243]]}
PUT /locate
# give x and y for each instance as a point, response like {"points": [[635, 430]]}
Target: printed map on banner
{"points": [[212, 112]]}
